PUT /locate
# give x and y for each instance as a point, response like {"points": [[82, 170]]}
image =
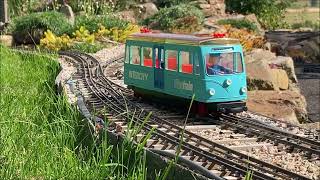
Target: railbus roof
{"points": [[201, 39]]}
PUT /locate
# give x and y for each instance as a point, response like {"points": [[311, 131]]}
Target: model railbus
{"points": [[175, 67]]}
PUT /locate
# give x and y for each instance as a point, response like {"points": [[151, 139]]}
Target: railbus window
{"points": [[127, 54], [135, 55], [239, 68], [172, 60], [220, 63], [186, 65], [159, 62], [196, 64], [147, 56]]}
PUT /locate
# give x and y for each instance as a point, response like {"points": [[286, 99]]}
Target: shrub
{"points": [[175, 17], [92, 23], [87, 47], [240, 24], [55, 43], [269, 12], [91, 7], [30, 28], [247, 39]]}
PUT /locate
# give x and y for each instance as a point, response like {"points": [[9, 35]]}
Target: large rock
{"points": [[147, 10], [263, 73], [259, 55], [128, 16], [308, 50], [289, 106], [252, 18], [301, 46], [286, 63], [26, 37], [68, 12], [279, 79]]}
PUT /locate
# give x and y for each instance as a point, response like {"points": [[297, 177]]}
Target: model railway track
{"points": [[258, 128], [211, 159]]}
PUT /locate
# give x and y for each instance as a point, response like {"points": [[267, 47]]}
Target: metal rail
{"points": [[115, 101], [261, 129]]}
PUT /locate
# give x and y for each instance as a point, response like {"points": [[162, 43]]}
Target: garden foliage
{"points": [[248, 39], [92, 23], [240, 24], [85, 41], [169, 3], [184, 17], [269, 12], [33, 25]]}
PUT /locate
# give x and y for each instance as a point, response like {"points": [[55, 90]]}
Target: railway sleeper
{"points": [[250, 147], [225, 141]]}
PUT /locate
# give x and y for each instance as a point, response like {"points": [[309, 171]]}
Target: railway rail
{"points": [[211, 159]]}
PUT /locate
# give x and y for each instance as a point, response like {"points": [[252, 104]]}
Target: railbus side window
{"points": [[196, 64], [172, 60], [186, 65], [127, 54], [135, 55], [239, 63], [159, 62], [147, 56]]}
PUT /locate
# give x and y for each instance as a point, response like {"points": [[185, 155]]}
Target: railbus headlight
{"points": [[212, 92], [228, 82], [243, 89]]}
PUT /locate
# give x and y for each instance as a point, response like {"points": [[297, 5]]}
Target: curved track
{"points": [[215, 159]]}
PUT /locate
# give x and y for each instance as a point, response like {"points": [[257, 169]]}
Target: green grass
{"points": [[43, 137]]}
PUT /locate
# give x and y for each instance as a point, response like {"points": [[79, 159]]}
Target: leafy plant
{"points": [[84, 35], [248, 39], [92, 7], [54, 43], [87, 47], [175, 17], [93, 23], [240, 24], [269, 12], [169, 3]]}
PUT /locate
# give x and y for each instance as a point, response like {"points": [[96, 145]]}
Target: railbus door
{"points": [[158, 54]]}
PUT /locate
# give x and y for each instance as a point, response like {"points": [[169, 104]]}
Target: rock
{"points": [[147, 10], [303, 47], [26, 37], [286, 63], [279, 79], [267, 46], [259, 76], [266, 71], [315, 125], [6, 40], [127, 15], [259, 55], [252, 18], [211, 7], [289, 106], [68, 12], [204, 6]]}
